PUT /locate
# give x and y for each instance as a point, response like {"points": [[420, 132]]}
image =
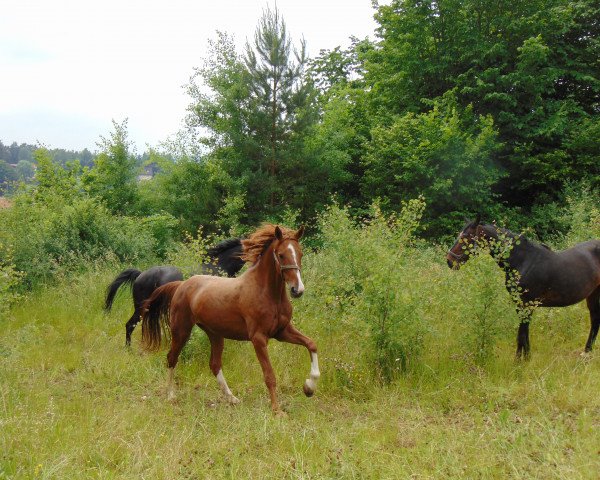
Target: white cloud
{"points": [[75, 65]]}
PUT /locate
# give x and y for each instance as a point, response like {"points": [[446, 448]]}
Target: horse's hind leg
{"points": [[291, 335], [593, 303], [523, 341], [130, 326], [216, 351], [180, 333]]}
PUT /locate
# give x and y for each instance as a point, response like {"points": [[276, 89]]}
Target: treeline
{"points": [[14, 153], [476, 106], [17, 162]]}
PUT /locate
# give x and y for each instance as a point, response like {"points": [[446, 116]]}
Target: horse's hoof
{"points": [[171, 397], [233, 400], [309, 388], [280, 413]]}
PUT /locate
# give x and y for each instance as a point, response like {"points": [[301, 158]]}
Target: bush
{"points": [[481, 299], [365, 273], [9, 280], [52, 237], [582, 215], [191, 253]]}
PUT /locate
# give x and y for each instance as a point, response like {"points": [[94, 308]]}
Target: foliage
{"points": [[113, 178], [8, 176], [54, 237], [14, 154], [364, 275], [447, 155], [259, 116], [582, 215], [191, 253], [10, 278], [55, 228], [25, 170], [531, 67], [486, 329], [54, 181], [189, 190]]}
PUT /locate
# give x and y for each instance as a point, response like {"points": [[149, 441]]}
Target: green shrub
{"points": [[582, 215], [190, 254], [481, 299], [162, 227], [54, 237], [9, 280], [363, 275]]}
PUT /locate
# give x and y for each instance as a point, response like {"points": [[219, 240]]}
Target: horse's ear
{"points": [[300, 232], [278, 233], [478, 219]]}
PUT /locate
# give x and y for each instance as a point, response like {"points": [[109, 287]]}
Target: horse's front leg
{"points": [[259, 341], [291, 335], [523, 339]]}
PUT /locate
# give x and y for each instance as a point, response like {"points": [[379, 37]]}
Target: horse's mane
{"points": [[260, 240], [519, 236], [222, 246]]}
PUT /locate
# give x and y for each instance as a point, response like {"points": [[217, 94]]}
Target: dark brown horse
{"points": [[253, 307], [223, 257], [546, 278]]}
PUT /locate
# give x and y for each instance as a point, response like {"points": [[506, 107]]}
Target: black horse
{"points": [[225, 257], [546, 278]]}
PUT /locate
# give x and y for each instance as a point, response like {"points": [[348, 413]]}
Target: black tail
{"points": [[153, 309], [126, 276]]}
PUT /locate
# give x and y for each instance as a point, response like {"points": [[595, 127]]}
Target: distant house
{"points": [[149, 171], [5, 202]]}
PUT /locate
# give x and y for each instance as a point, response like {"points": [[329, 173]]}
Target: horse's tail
{"points": [[154, 309], [125, 277]]}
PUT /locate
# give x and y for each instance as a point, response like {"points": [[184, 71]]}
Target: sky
{"points": [[69, 67]]}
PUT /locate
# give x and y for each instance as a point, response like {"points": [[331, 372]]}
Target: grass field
{"points": [[75, 403]]}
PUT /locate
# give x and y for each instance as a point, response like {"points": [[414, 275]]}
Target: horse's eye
{"points": [[280, 255]]}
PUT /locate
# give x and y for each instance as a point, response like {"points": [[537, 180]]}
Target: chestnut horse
{"points": [[253, 306], [546, 278]]}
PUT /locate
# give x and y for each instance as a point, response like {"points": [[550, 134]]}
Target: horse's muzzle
{"points": [[295, 292], [454, 260], [453, 263]]}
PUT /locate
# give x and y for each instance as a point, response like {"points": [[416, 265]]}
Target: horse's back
{"points": [[588, 252], [566, 277], [149, 280]]}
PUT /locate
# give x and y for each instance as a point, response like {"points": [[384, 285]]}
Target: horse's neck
{"points": [[522, 251], [266, 273]]}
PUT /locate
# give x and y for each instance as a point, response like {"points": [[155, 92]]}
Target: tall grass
{"points": [[74, 403]]}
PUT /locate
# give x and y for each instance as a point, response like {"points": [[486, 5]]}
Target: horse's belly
{"points": [[223, 324], [560, 297]]}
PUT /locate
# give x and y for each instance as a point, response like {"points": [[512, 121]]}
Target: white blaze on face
{"points": [[300, 287]]}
